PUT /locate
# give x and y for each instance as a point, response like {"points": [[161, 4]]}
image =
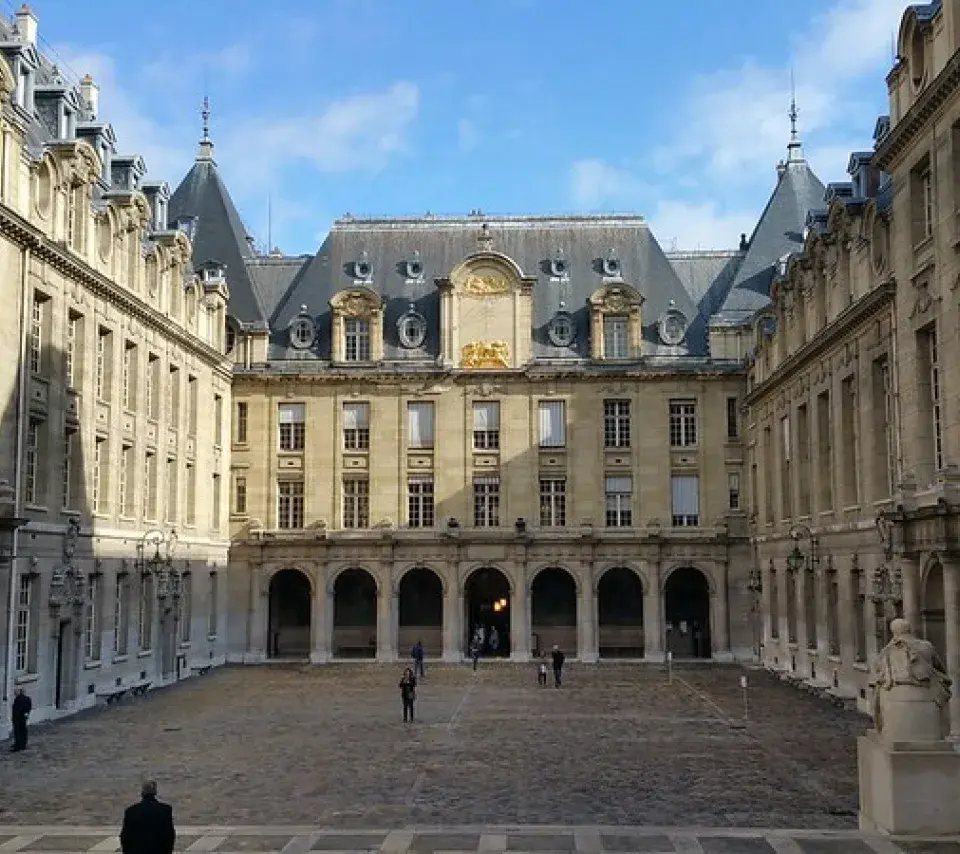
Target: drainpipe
{"points": [[9, 664]]}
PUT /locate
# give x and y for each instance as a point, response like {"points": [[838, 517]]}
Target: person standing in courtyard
{"points": [[408, 693], [558, 659], [22, 706], [542, 674], [417, 655], [148, 825]]}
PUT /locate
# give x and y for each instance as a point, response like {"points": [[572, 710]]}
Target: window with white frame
{"points": [[104, 353], [290, 504], [129, 376], [69, 471], [356, 426], [356, 339], [936, 399], [24, 658], [356, 502], [292, 417], [618, 499], [685, 493], [486, 426], [191, 497], [616, 337], [38, 318], [32, 471], [486, 502], [173, 489], [145, 612], [217, 420], [121, 615], [616, 424], [149, 485], [553, 423], [733, 490], [243, 410], [240, 494], [91, 624], [101, 501], [213, 605], [420, 507], [683, 423], [173, 396], [151, 388], [186, 607], [733, 418], [420, 424], [215, 508], [193, 404], [72, 349], [126, 486], [553, 502]]}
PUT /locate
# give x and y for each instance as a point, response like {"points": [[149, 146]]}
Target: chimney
{"points": [[27, 24], [90, 95]]}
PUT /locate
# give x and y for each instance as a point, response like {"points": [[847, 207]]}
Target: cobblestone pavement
{"points": [[618, 745]]}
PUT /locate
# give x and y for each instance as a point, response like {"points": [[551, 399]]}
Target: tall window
{"points": [[926, 184], [683, 423], [553, 424], [420, 507], [618, 498], [72, 348], [101, 503], [150, 485], [186, 607], [213, 605], [825, 451], [486, 426], [38, 319], [240, 495], [486, 502], [356, 426], [193, 405], [356, 502], [616, 423], [936, 401], [145, 612], [885, 438], [803, 460], [685, 491], [217, 420], [733, 418], [420, 425], [172, 489], [768, 478], [151, 388], [70, 473], [126, 484], [850, 438], [616, 339], [215, 510], [292, 426], [786, 470], [733, 490], [23, 656], [290, 504], [121, 614], [32, 463], [356, 343], [191, 496], [553, 502], [104, 353], [129, 376], [91, 625], [242, 414], [173, 396]]}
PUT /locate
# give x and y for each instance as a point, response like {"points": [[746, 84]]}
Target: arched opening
{"points": [[288, 632], [933, 615], [620, 613], [421, 611], [355, 614], [687, 613], [553, 607], [487, 600]]}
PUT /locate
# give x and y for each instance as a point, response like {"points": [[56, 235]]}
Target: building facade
{"points": [[116, 407]]}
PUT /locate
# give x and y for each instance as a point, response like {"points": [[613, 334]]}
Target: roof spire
{"points": [[795, 147], [206, 144]]}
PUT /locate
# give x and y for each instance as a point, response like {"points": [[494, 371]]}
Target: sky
{"points": [[673, 110]]}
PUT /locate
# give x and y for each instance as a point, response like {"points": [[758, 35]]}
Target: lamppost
{"points": [[159, 564], [68, 585], [797, 560], [755, 586], [887, 581]]}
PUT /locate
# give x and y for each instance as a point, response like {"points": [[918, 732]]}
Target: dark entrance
{"points": [[355, 614], [553, 607], [421, 611], [289, 622], [687, 607], [61, 643], [487, 595], [933, 615], [620, 613]]}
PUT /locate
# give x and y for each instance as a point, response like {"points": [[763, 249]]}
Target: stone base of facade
{"points": [[908, 788]]}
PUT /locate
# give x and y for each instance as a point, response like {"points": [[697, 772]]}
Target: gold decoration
{"points": [[616, 302], [484, 285], [355, 305], [486, 354]]}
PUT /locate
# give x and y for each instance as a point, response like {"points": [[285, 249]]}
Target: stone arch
{"points": [[290, 613], [620, 619], [554, 592], [420, 593], [574, 574], [933, 604], [485, 588], [912, 47], [688, 593], [477, 565], [356, 593], [489, 266], [444, 581]]}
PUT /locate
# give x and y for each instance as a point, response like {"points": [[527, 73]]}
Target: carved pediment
{"points": [[616, 299], [78, 163], [487, 274], [356, 302]]}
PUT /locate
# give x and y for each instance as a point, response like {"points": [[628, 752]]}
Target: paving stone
{"points": [[255, 843], [929, 847], [540, 842], [435, 842], [183, 842], [654, 844], [734, 845], [359, 842], [833, 846], [65, 843]]}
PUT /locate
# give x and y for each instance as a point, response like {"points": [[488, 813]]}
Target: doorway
{"points": [[687, 613], [553, 611], [620, 613], [487, 600], [355, 614], [290, 615], [420, 611]]}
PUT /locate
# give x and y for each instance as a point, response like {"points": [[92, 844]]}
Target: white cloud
{"points": [[679, 225], [595, 184]]}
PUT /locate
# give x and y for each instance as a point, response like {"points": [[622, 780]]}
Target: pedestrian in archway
{"points": [[475, 652], [417, 655], [494, 640], [22, 706], [408, 693], [558, 659]]}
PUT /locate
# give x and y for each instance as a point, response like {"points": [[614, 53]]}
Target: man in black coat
{"points": [[148, 826], [22, 706], [558, 659]]}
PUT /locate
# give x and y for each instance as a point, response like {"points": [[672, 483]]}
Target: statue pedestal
{"points": [[908, 787]]}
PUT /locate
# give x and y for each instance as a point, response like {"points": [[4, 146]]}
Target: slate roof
{"points": [[778, 233], [531, 242], [218, 233], [707, 276]]}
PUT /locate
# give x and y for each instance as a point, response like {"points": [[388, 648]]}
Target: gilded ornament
{"points": [[354, 306], [616, 302], [486, 354], [484, 285]]}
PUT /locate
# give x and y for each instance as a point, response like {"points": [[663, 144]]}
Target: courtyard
{"points": [[325, 746]]}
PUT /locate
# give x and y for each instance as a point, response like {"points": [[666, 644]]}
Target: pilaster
{"points": [[387, 600], [587, 634], [910, 578], [653, 617], [520, 625], [720, 633], [951, 614], [453, 610], [322, 640]]}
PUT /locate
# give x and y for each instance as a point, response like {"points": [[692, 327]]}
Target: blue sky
{"points": [[675, 110]]}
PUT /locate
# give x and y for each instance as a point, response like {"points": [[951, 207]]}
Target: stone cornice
{"points": [[833, 334], [28, 236], [911, 125]]}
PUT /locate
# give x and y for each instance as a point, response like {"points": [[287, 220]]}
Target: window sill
{"points": [[289, 451], [240, 446], [234, 517], [121, 659], [99, 514], [73, 514], [834, 658], [26, 678], [145, 653], [92, 665], [128, 411], [211, 638], [36, 508], [185, 645], [123, 517], [417, 449], [861, 667], [103, 401], [924, 244]]}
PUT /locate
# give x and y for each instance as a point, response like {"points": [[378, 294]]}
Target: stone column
{"points": [[587, 630], [453, 610], [520, 624], [322, 640], [653, 617], [387, 623], [951, 613], [910, 576], [258, 645], [720, 618]]}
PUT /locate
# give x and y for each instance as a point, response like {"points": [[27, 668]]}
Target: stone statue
{"points": [[911, 688]]}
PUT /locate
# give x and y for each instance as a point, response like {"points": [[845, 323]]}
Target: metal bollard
{"points": [[746, 703]]}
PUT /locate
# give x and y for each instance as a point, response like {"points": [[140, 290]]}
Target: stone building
{"points": [[854, 432], [115, 406]]}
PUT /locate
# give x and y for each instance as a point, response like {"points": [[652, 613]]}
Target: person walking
{"points": [[408, 693], [148, 825], [558, 659], [22, 706], [417, 655], [475, 652]]}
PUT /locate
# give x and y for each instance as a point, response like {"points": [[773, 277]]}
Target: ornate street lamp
{"points": [[797, 560], [68, 585], [887, 580], [156, 558]]}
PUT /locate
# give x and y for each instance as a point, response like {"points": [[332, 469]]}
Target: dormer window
{"points": [[412, 329], [356, 340], [616, 323], [616, 342], [414, 269], [302, 333], [362, 268], [357, 334], [611, 266], [558, 268]]}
